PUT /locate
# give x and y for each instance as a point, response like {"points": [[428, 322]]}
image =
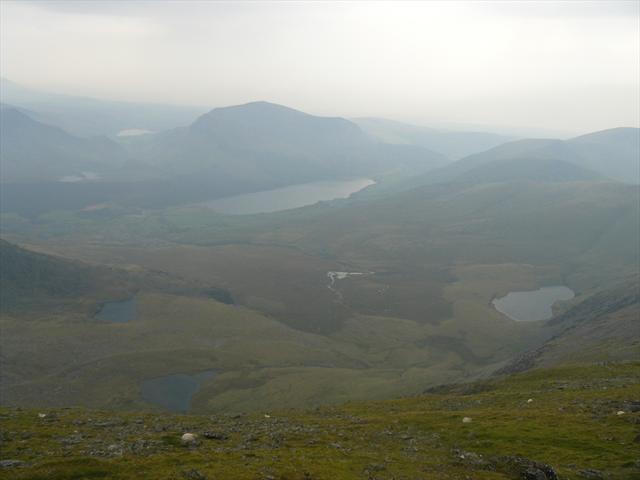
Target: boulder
{"points": [[189, 439]]}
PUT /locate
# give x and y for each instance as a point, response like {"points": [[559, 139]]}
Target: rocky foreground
{"points": [[578, 422]]}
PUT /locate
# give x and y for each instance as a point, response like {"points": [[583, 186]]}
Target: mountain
{"points": [[613, 153], [34, 151], [453, 144], [271, 143]]}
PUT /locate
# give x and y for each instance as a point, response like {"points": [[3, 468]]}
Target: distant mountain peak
{"points": [[257, 109]]}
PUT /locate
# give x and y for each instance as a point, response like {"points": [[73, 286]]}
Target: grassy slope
{"points": [[263, 363], [68, 359], [571, 424]]}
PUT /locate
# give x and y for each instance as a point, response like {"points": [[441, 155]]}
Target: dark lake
{"points": [[532, 305], [118, 312], [285, 198], [174, 392]]}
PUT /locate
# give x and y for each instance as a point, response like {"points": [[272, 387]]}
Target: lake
{"points": [[286, 198], [532, 305], [174, 392], [122, 311]]}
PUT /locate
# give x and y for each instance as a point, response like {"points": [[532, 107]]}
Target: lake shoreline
{"points": [[288, 197]]}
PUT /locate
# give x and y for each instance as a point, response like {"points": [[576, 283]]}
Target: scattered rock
{"points": [[215, 435], [105, 424], [620, 412], [11, 463], [532, 473], [72, 439], [525, 469], [194, 474], [530, 400], [632, 406], [591, 474], [471, 458], [467, 420], [115, 449]]}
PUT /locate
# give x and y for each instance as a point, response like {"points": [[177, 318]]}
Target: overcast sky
{"points": [[571, 66]]}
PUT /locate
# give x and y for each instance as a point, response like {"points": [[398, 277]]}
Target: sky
{"points": [[562, 66]]}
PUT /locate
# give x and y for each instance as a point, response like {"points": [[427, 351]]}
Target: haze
{"points": [[568, 67]]}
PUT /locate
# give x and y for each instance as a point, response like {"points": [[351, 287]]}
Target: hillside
{"points": [[620, 147], [603, 327], [512, 434], [613, 153], [527, 170], [453, 144], [33, 151]]}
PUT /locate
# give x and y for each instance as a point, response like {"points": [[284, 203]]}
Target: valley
{"points": [[261, 259]]}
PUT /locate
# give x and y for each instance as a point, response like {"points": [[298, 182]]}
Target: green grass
{"points": [[571, 424]]}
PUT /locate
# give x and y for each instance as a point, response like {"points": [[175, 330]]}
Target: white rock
{"points": [[42, 415], [530, 400], [267, 416], [467, 420], [188, 439], [620, 412]]}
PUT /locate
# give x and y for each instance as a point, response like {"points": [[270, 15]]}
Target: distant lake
{"points": [[118, 312], [532, 305], [285, 198], [174, 392], [132, 132]]}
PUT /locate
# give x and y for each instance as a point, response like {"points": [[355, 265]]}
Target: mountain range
{"points": [[86, 117]]}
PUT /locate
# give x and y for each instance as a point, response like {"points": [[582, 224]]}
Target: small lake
{"points": [[174, 392], [532, 305], [286, 198], [122, 311]]}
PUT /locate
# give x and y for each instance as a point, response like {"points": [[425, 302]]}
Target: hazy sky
{"points": [[572, 66]]}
